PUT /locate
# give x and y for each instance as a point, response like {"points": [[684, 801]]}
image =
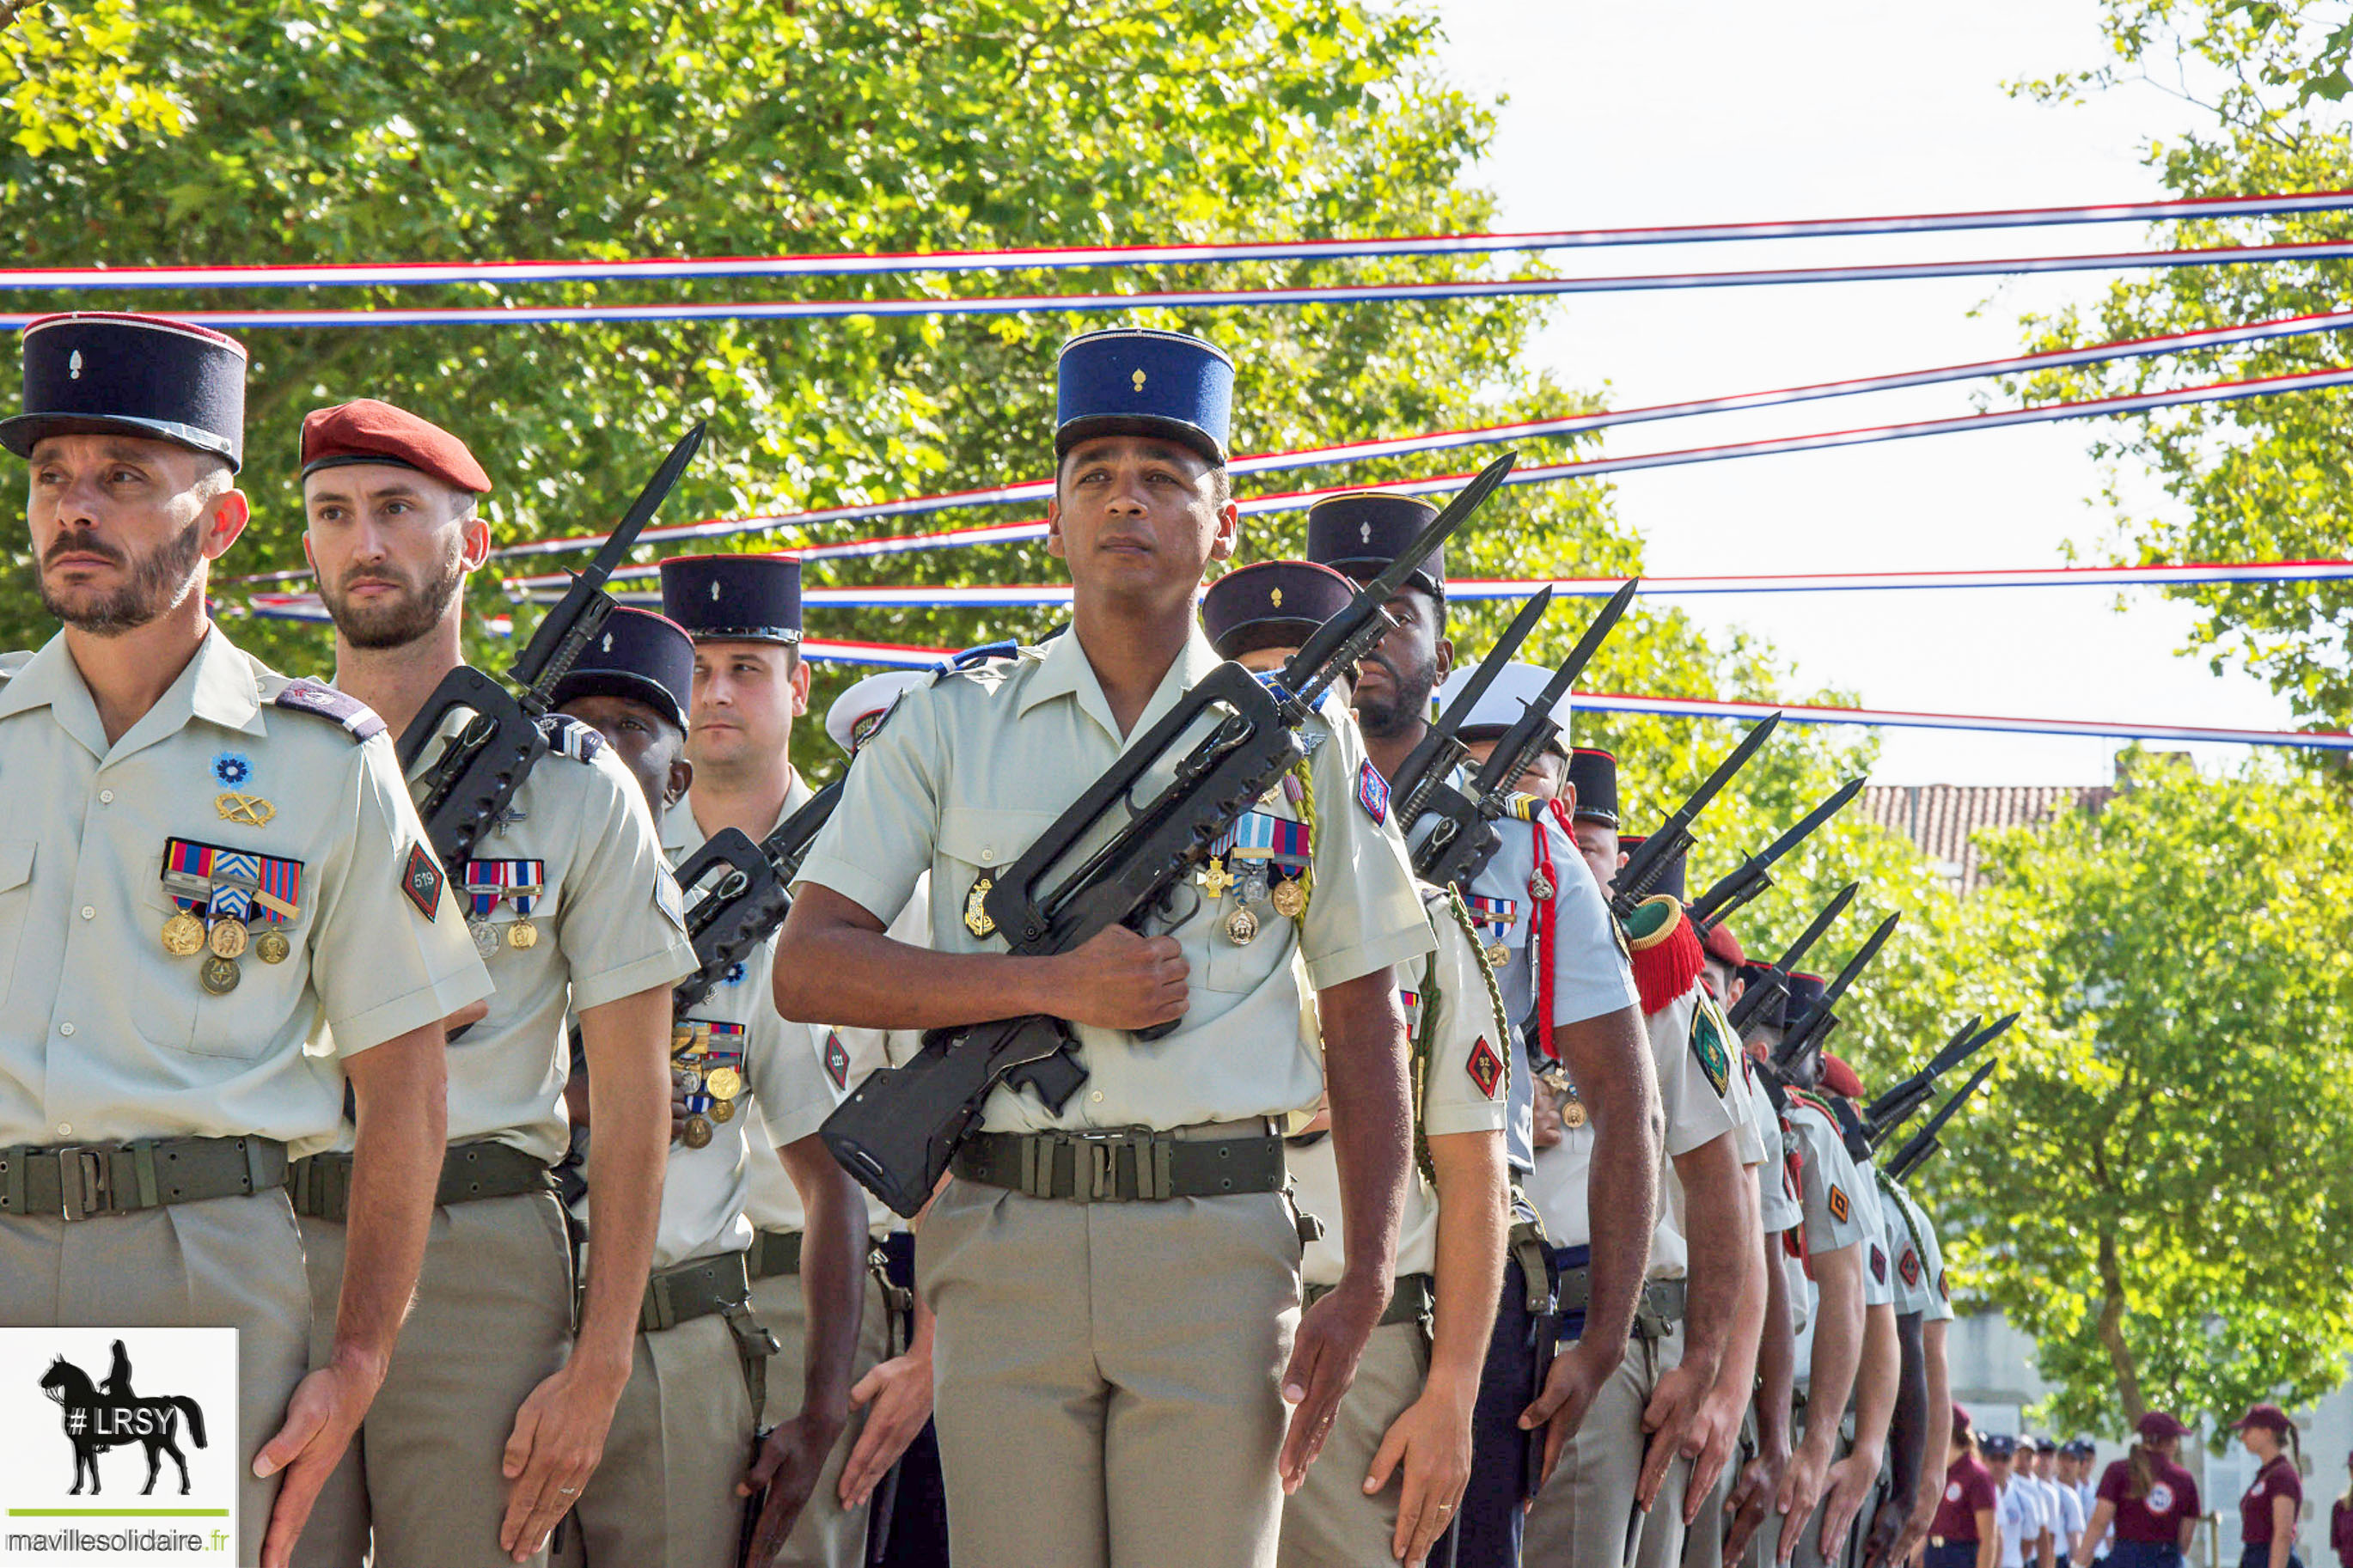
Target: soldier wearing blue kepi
{"points": [[500, 1396], [667, 1490], [1116, 1283], [810, 1282], [205, 865], [1404, 1430], [1572, 1000]]}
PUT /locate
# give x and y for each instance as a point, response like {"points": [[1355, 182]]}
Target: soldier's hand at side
{"points": [[1577, 1375], [320, 1418], [1668, 1423], [558, 1438], [1548, 1132], [898, 1397], [677, 1108], [1118, 980], [1916, 1527], [1713, 1434], [1801, 1488], [1323, 1356], [1850, 1482], [1752, 1500], [787, 1465], [1432, 1440], [1886, 1533]]}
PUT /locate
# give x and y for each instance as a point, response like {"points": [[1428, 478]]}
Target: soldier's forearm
{"points": [[1938, 1376], [1875, 1379], [1737, 1371], [1908, 1431], [628, 1042], [1713, 1178], [1838, 1343], [1777, 1356], [1609, 1059], [1372, 1120], [1473, 1208], [835, 966], [401, 1097], [833, 1275]]}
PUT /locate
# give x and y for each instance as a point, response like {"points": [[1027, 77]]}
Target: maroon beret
{"points": [[1839, 1079], [1724, 947], [368, 431]]}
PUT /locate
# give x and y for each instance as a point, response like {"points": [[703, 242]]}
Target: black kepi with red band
{"points": [[734, 598]]}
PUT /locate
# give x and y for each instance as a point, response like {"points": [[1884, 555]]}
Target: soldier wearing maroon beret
{"points": [[494, 1412]]}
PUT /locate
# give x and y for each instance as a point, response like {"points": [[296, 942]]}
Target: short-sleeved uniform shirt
{"points": [[2172, 1497], [106, 1037], [968, 772], [607, 920], [1590, 978], [1833, 1217], [1696, 1113], [1461, 1088], [2018, 1514], [810, 1068], [1968, 1490], [2070, 1512], [1878, 1261], [1920, 1264], [2277, 1480]]}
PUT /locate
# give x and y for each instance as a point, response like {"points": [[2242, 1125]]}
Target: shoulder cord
{"points": [[1544, 918], [1300, 771]]}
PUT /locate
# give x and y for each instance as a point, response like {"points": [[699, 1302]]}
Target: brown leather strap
{"points": [[83, 1182]]}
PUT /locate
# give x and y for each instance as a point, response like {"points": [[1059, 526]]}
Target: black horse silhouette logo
{"points": [[97, 1418]]}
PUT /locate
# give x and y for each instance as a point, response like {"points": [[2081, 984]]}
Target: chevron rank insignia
{"points": [[420, 878]]}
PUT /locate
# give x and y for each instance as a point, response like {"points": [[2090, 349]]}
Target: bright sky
{"points": [[1713, 110]]}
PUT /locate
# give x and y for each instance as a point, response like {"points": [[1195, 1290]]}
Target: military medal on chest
{"points": [[1493, 919], [706, 1062], [1262, 860], [1572, 1110], [517, 884], [220, 895], [977, 917]]}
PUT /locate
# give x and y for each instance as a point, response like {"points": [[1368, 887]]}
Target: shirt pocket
{"points": [[976, 843], [15, 901], [174, 1011]]}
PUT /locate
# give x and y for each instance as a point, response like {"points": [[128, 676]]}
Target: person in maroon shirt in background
{"points": [[2151, 1500], [1962, 1534], [2267, 1514], [2340, 1523]]}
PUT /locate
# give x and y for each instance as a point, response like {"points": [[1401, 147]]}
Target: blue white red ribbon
{"points": [[399, 274], [513, 315]]}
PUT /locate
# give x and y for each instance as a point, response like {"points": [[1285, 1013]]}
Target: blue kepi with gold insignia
{"points": [[1135, 381], [95, 373]]}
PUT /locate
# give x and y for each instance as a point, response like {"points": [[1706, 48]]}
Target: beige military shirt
{"points": [[969, 771], [605, 923], [1461, 1088], [105, 1036], [1690, 1050]]}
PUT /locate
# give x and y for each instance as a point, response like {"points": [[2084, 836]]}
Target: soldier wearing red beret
{"points": [[494, 1412]]}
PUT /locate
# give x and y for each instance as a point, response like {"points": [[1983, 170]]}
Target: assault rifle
{"points": [[1427, 767], [1923, 1143], [469, 785], [1774, 983], [1892, 1110], [749, 892], [1807, 1032], [1755, 874], [1651, 860], [1464, 837], [897, 1132]]}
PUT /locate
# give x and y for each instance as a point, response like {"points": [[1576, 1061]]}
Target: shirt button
{"points": [[65, 1028], [988, 856], [65, 1129], [106, 797], [1096, 1096], [88, 913]]}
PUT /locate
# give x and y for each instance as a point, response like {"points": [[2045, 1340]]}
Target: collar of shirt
{"points": [[1066, 672], [218, 686], [681, 836]]}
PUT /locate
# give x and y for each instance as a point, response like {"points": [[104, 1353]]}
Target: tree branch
{"points": [[2111, 1328]]}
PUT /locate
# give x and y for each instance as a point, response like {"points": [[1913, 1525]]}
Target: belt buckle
{"points": [[1099, 1167], [85, 1182]]}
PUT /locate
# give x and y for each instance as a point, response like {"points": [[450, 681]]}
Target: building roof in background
{"points": [[1940, 818]]}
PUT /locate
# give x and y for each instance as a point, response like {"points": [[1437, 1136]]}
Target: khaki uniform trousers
{"points": [[1108, 1375], [1329, 1523], [1585, 1516], [1809, 1545], [232, 1263], [826, 1535], [664, 1495], [492, 1321], [1703, 1542]]}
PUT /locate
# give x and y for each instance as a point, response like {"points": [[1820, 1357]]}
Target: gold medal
{"points": [[523, 933], [485, 935], [218, 975], [1540, 888], [184, 933], [1572, 1111], [975, 913], [1241, 928], [271, 947], [228, 938], [1291, 898], [698, 1133], [1498, 955], [724, 1083], [722, 1111], [1215, 879]]}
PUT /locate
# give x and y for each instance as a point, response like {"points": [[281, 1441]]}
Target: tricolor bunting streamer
{"points": [[1211, 299], [1031, 491], [397, 274]]}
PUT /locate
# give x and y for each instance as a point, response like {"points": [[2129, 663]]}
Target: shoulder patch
{"points": [[1908, 1266], [572, 738], [1707, 1045], [1943, 1285], [667, 895], [420, 879], [1839, 1207], [1878, 1264], [1485, 1067], [358, 719], [1373, 792], [836, 1059]]}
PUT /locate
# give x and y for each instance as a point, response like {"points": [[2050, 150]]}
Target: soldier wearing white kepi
{"points": [[1391, 1477], [810, 1282], [1116, 1283], [682, 1435], [495, 1412], [205, 865]]}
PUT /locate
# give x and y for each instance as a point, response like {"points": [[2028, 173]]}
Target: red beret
{"points": [[366, 431], [1724, 947], [1838, 1077]]}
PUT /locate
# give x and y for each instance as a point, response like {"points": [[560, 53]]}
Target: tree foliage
{"points": [[2157, 1189], [68, 86]]}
